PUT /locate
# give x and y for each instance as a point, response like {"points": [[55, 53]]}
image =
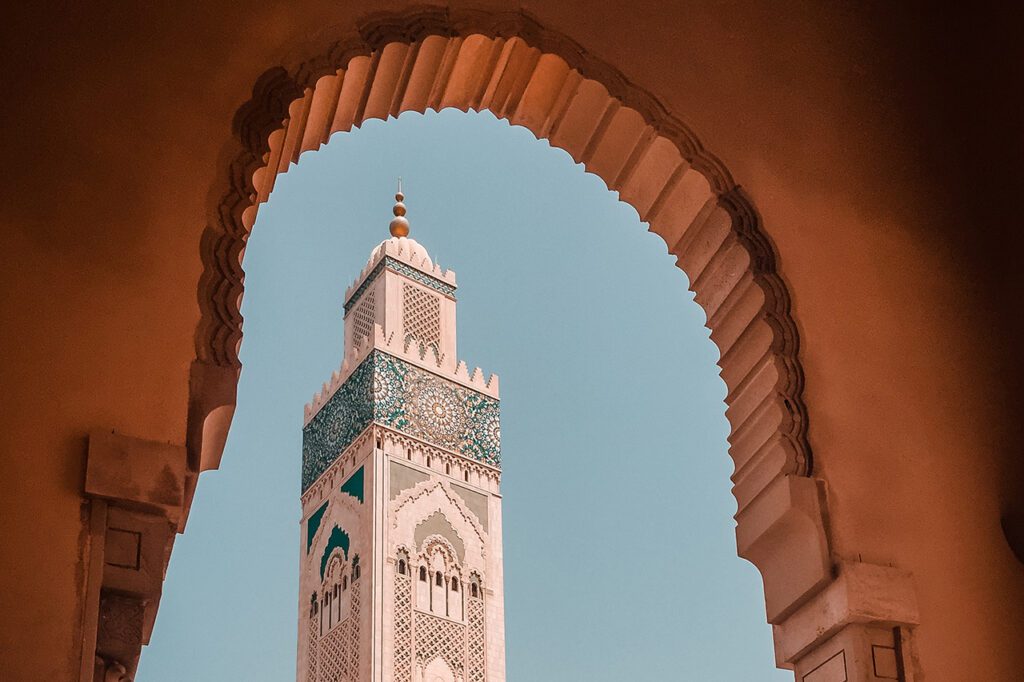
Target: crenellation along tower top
{"points": [[400, 553], [403, 305]]}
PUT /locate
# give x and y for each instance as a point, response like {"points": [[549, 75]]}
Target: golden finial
{"points": [[399, 224]]}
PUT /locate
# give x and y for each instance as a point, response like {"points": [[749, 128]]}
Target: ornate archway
{"points": [[511, 66]]}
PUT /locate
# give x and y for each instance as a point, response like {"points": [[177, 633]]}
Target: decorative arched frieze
{"points": [[395, 443], [346, 518], [430, 496], [442, 544]]}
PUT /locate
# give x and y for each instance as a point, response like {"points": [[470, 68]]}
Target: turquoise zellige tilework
{"points": [[396, 394], [354, 485], [402, 269]]}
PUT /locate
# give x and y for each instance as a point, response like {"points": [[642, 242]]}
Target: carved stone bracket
{"points": [[858, 628], [137, 498], [782, 532]]}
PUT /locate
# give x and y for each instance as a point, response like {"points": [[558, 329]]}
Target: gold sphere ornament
{"points": [[400, 225]]}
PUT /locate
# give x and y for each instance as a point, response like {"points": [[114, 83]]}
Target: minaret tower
{"points": [[400, 559]]}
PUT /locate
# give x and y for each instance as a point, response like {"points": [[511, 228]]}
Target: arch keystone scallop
{"points": [[510, 65]]}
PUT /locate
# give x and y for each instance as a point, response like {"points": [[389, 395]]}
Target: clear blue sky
{"points": [[620, 557]]}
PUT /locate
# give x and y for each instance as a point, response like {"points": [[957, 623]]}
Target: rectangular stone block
{"points": [[136, 473], [856, 653]]}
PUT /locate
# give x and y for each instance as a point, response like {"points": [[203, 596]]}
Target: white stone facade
{"points": [[400, 554]]}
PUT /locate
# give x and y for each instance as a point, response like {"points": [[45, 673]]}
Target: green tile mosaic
{"points": [[396, 394], [313, 524], [401, 268], [345, 416], [354, 485]]}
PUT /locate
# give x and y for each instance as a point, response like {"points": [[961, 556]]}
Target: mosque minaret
{"points": [[400, 556]]}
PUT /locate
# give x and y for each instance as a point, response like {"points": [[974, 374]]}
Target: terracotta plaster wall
{"points": [[877, 155]]}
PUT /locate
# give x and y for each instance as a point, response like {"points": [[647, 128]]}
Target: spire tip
{"points": [[400, 224]]}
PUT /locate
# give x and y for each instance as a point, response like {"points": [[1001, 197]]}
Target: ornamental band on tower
{"points": [[400, 557]]}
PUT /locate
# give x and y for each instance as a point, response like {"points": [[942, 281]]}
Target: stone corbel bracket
{"points": [[137, 493], [856, 628]]}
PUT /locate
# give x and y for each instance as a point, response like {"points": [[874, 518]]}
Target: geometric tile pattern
{"points": [[437, 636], [362, 319], [413, 401], [476, 649], [339, 648], [353, 634], [403, 628], [312, 650], [425, 406], [402, 269], [345, 416], [332, 653], [421, 316], [418, 276]]}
